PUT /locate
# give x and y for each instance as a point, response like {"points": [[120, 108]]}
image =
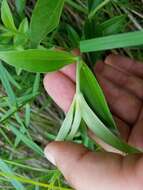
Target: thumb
{"points": [[82, 168]]}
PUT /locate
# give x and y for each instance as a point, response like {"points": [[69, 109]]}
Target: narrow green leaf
{"points": [[22, 101], [20, 4], [31, 182], [66, 126], [112, 26], [27, 114], [6, 169], [95, 97], [77, 6], [124, 40], [4, 135], [6, 16], [92, 4], [12, 80], [76, 121], [45, 19], [38, 60], [22, 129], [24, 26], [27, 141], [36, 84], [7, 86], [97, 8], [101, 131]]}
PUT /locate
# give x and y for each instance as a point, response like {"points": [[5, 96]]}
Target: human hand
{"points": [[122, 83]]}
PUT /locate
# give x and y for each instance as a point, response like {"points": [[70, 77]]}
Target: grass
{"points": [[29, 119]]}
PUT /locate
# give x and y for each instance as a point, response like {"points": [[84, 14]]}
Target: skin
{"points": [[122, 83]]}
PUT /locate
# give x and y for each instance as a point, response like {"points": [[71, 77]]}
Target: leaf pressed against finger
{"points": [[37, 60], [95, 97]]}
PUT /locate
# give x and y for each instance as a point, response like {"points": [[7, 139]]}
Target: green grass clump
{"points": [[29, 119]]}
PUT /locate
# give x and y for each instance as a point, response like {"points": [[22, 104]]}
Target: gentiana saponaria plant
{"points": [[28, 53]]}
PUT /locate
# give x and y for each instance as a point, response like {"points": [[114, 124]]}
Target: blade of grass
{"points": [[36, 83], [7, 86], [27, 141], [22, 129], [130, 39], [6, 169], [5, 137], [27, 115], [29, 181], [76, 121], [94, 11], [22, 101], [12, 80], [76, 6], [66, 126], [24, 166]]}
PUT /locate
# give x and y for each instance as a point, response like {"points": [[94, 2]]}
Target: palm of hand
{"points": [[122, 83]]}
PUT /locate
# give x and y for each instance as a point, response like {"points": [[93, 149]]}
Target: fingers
{"points": [[127, 81], [136, 137], [70, 71], [127, 75], [125, 64], [60, 88], [122, 104], [84, 169], [60, 85]]}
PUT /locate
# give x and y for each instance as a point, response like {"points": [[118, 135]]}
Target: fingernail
{"points": [[49, 156]]}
